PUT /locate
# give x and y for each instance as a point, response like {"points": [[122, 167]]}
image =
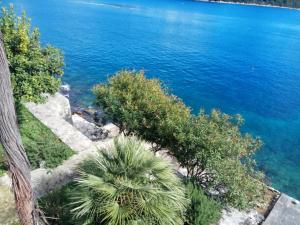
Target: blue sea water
{"points": [[240, 59]]}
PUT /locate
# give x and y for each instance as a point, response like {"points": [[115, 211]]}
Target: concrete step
{"points": [[285, 212]]}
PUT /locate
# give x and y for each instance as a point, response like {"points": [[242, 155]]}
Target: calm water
{"points": [[241, 59]]}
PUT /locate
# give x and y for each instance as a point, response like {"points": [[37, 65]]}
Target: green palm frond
{"points": [[128, 185]]}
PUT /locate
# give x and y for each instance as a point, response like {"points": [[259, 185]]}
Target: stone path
{"points": [[56, 115], [285, 212]]}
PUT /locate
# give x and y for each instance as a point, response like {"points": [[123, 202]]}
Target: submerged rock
{"points": [[90, 114], [65, 90]]}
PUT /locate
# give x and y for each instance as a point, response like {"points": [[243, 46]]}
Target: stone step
{"points": [[56, 115], [285, 212]]}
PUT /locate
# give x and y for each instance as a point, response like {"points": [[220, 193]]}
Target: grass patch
{"points": [[41, 145]]}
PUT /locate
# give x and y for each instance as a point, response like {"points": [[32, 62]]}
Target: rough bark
{"points": [[16, 159]]}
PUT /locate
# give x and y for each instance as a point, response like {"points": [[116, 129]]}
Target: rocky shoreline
{"points": [[90, 121], [246, 4]]}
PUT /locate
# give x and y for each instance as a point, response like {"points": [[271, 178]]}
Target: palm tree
{"points": [[15, 156], [128, 185]]}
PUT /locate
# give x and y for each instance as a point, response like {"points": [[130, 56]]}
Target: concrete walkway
{"points": [[56, 115], [285, 212]]}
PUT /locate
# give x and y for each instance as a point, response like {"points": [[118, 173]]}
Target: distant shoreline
{"points": [[250, 4]]}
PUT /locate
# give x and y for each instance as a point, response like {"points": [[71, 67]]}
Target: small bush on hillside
{"points": [[219, 156], [128, 184], [56, 205], [34, 69], [211, 146], [202, 210]]}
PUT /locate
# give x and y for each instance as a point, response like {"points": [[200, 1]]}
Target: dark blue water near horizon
{"points": [[240, 59]]}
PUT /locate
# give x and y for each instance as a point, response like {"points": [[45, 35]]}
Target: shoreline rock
{"points": [[246, 4]]}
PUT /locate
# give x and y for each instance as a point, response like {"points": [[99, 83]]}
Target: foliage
{"points": [[214, 151], [34, 69], [128, 184], [202, 210], [41, 145], [210, 146], [56, 205], [141, 106], [282, 3]]}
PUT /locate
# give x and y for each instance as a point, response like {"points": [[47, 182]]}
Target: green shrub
{"points": [[56, 205], [202, 210], [34, 69], [211, 146], [128, 184], [219, 156], [141, 106]]}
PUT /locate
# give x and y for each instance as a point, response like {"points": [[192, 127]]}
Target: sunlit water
{"points": [[240, 59]]}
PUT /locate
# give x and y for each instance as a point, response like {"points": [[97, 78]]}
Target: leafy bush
{"points": [[141, 106], [127, 184], [56, 205], [34, 69], [202, 210], [210, 146], [215, 152]]}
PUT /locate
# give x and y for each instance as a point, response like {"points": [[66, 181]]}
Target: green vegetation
{"points": [[41, 145], [141, 106], [128, 184], [210, 146], [202, 210], [281, 3], [212, 149], [57, 205], [34, 69]]}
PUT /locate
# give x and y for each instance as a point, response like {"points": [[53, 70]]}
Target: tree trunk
{"points": [[16, 159]]}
